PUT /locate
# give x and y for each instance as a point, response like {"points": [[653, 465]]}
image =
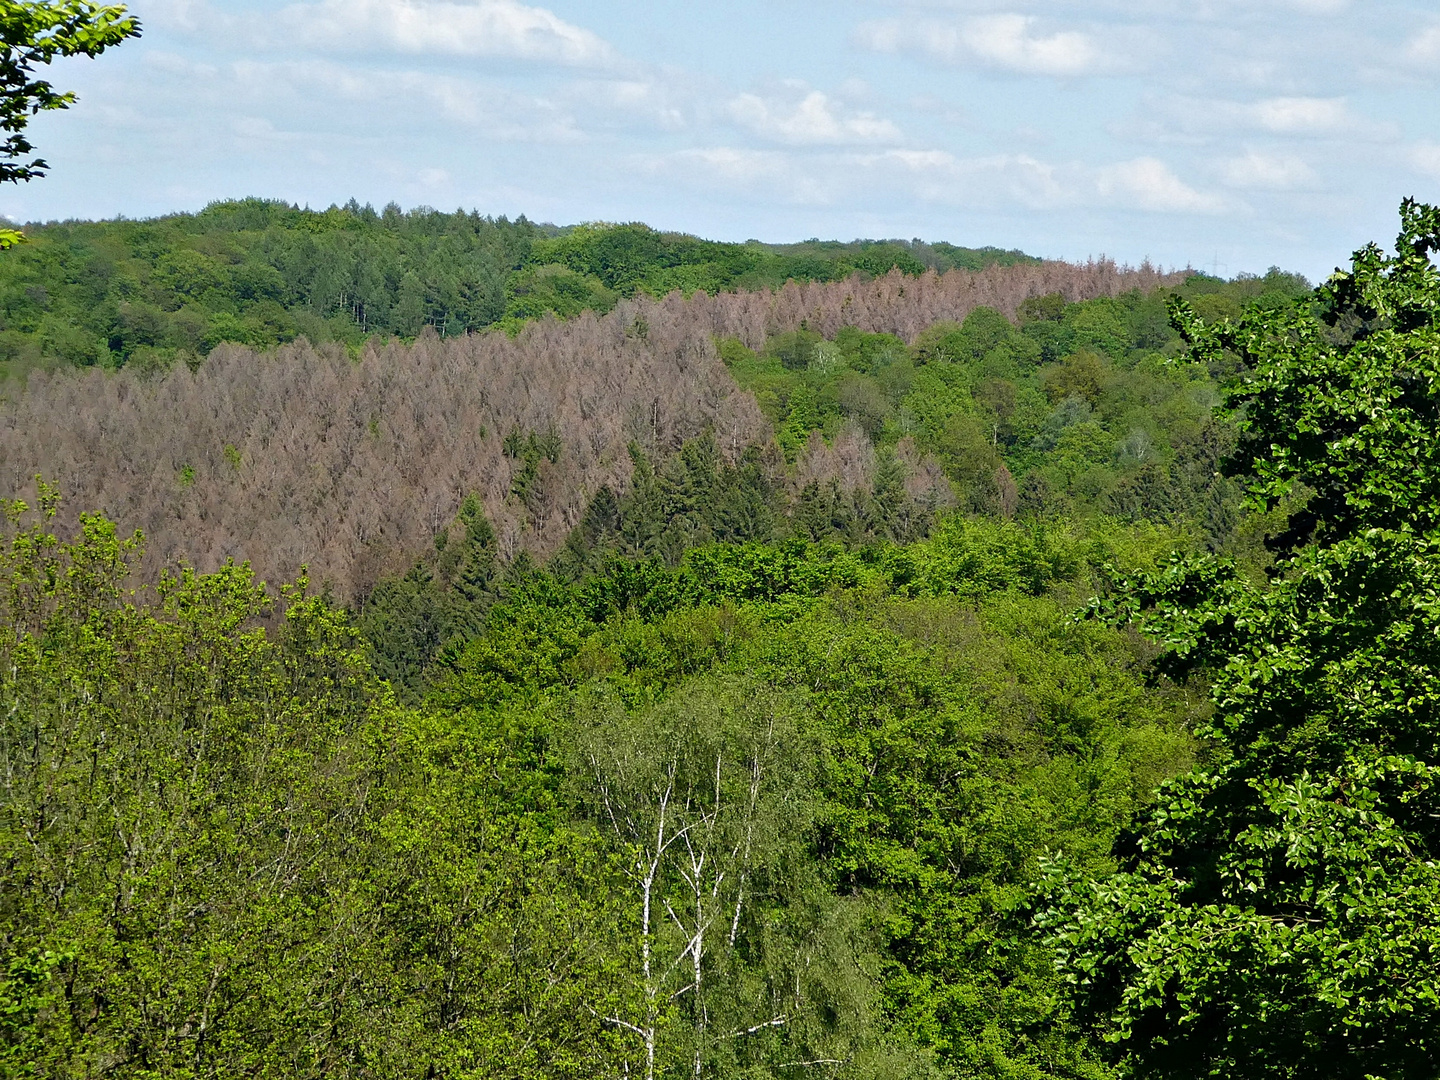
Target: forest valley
{"points": [[680, 659]]}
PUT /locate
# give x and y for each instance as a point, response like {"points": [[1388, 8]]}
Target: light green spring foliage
{"points": [[1276, 911], [960, 723], [228, 851], [36, 32], [629, 258]]}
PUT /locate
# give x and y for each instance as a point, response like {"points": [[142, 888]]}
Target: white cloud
{"points": [[367, 97], [1148, 184], [998, 180], [649, 100], [1009, 42], [1199, 120], [1302, 115], [1426, 158], [1239, 102], [1317, 7], [1143, 184], [1425, 49], [924, 160], [1272, 172], [771, 174], [745, 166], [186, 16], [814, 120], [495, 28], [259, 129]]}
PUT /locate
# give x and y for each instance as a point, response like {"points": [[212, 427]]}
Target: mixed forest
{"points": [[436, 646], [260, 272]]}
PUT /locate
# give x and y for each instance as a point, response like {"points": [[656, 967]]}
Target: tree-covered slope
{"points": [[259, 273], [776, 804], [1275, 912], [1073, 407], [355, 466], [795, 756]]}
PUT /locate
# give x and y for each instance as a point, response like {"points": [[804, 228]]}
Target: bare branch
{"points": [[617, 1022], [774, 1021]]}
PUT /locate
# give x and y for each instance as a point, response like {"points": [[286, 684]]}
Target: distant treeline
{"points": [[260, 273]]}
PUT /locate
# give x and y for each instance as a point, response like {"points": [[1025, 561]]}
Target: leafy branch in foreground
{"points": [[1277, 913], [36, 33]]}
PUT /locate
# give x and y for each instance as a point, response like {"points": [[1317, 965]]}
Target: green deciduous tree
{"points": [[228, 852], [1276, 912]]}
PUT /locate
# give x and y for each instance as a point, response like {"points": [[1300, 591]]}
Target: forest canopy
{"points": [[260, 272], [1014, 672], [1274, 910], [869, 661], [859, 408], [653, 822]]}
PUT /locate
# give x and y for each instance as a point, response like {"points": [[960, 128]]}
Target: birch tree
{"points": [[709, 797]]}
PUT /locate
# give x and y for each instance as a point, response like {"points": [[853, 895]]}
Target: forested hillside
{"points": [[1023, 671], [355, 467], [779, 804], [260, 273]]}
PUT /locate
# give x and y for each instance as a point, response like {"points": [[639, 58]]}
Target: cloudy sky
{"points": [[1224, 134]]}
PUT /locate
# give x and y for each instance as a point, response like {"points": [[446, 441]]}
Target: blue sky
{"points": [[1232, 134]]}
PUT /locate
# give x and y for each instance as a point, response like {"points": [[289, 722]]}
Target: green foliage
{"points": [[795, 349], [253, 272], [635, 258], [958, 724], [260, 272], [1274, 913], [36, 33], [693, 498], [876, 257], [228, 851], [28, 995], [408, 621], [831, 772], [957, 760], [1081, 409], [1360, 441], [530, 450], [751, 773], [743, 959], [537, 290]]}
